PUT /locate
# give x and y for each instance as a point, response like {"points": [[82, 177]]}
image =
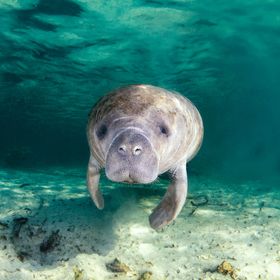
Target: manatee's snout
{"points": [[131, 158]]}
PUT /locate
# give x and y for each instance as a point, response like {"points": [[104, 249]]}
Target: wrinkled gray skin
{"points": [[141, 131]]}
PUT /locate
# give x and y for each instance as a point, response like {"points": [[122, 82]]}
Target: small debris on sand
{"points": [[226, 268], [261, 206], [50, 242], [200, 200], [18, 223], [22, 255], [3, 237], [146, 276], [193, 211], [3, 225], [78, 273], [117, 266]]}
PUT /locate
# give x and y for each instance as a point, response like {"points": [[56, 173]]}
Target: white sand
{"points": [[230, 227]]}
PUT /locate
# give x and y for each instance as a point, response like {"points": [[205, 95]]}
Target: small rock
{"points": [[117, 266], [200, 200], [226, 268], [146, 276]]}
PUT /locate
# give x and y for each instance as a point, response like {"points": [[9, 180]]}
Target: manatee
{"points": [[138, 132]]}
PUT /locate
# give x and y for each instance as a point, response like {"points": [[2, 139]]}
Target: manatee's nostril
{"points": [[137, 150], [122, 149]]}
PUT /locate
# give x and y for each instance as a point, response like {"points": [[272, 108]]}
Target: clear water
{"points": [[58, 57]]}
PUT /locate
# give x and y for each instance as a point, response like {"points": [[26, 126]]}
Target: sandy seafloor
{"points": [[240, 224]]}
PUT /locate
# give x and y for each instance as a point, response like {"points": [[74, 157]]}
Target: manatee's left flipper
{"points": [[173, 200], [93, 176]]}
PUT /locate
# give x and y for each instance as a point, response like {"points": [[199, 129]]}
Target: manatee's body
{"points": [[139, 132]]}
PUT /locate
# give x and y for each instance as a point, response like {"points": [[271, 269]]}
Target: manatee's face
{"points": [[131, 147]]}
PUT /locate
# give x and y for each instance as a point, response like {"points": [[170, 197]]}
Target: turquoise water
{"points": [[58, 57]]}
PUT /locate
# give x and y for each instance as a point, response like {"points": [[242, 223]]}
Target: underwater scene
{"points": [[58, 58]]}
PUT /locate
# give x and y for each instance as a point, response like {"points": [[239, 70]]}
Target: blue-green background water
{"points": [[58, 57]]}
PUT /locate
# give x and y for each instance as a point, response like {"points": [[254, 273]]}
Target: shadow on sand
{"points": [[61, 229]]}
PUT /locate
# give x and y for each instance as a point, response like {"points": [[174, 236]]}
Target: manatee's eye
{"points": [[102, 131], [164, 130]]}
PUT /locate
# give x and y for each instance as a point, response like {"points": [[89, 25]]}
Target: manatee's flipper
{"points": [[173, 200], [93, 175]]}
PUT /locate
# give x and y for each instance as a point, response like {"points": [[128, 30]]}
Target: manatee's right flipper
{"points": [[93, 175]]}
